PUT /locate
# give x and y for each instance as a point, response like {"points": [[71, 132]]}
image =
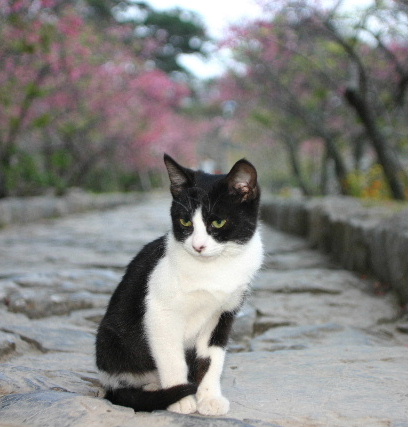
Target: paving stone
{"points": [[6, 288], [7, 343], [243, 328], [58, 361], [351, 308], [55, 339], [89, 318], [336, 352], [282, 388], [321, 296], [22, 379], [92, 280], [37, 303], [107, 239], [276, 242], [305, 258], [310, 336], [403, 327], [51, 408], [327, 386], [316, 280]]}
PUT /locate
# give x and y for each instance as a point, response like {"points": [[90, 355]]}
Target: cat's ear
{"points": [[243, 181], [180, 177]]}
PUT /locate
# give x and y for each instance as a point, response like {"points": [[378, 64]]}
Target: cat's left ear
{"points": [[243, 180], [180, 177]]}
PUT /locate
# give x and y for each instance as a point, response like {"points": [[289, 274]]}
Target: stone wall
{"points": [[27, 209], [362, 236]]}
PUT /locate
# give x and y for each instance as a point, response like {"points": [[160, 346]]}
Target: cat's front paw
{"points": [[187, 405], [213, 405]]}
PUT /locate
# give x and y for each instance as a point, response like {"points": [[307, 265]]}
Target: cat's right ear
{"points": [[242, 181], [180, 177]]}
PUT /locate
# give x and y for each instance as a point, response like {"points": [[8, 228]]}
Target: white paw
{"points": [[213, 406], [187, 405]]}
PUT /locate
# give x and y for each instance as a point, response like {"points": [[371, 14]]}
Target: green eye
{"points": [[185, 223], [219, 224]]}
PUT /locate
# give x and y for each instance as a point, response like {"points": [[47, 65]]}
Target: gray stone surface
{"points": [[363, 236], [28, 209], [345, 386], [315, 345], [7, 343]]}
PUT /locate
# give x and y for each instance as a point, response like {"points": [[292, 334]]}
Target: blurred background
{"points": [[314, 93]]}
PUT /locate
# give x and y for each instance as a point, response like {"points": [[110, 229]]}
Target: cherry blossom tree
{"points": [[75, 99], [309, 73]]}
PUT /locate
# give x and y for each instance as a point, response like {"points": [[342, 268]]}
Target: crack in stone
{"points": [[37, 345]]}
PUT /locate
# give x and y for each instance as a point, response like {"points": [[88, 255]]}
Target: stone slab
{"points": [[55, 339], [314, 296], [336, 387], [312, 336], [57, 409], [7, 343], [22, 379], [346, 363], [369, 237]]}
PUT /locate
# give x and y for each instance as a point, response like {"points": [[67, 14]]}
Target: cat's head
{"points": [[213, 213]]}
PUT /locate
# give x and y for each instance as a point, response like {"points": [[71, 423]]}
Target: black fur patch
{"points": [[198, 366], [149, 401], [121, 344], [221, 332]]}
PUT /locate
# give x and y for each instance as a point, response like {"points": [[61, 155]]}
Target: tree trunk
{"points": [[145, 182], [3, 184], [339, 165], [5, 162], [324, 176], [296, 169], [392, 169]]}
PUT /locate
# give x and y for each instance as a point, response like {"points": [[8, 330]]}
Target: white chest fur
{"points": [[187, 290]]}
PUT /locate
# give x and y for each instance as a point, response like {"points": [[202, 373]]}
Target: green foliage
{"points": [[262, 117], [42, 121], [61, 160], [102, 180], [24, 176], [182, 33], [369, 184]]}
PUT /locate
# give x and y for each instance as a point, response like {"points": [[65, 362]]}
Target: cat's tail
{"points": [[148, 401]]}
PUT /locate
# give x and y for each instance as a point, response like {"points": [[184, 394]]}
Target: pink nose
{"points": [[199, 249]]}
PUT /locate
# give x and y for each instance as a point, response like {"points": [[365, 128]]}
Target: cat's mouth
{"points": [[205, 254]]}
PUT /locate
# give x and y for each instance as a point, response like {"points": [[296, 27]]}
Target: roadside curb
{"points": [[21, 210], [362, 236]]}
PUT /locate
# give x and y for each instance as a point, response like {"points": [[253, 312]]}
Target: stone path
{"points": [[315, 345]]}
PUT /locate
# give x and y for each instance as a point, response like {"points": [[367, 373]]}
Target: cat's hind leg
{"points": [[128, 379], [143, 392]]}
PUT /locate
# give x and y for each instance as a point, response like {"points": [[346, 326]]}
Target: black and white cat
{"points": [[161, 343]]}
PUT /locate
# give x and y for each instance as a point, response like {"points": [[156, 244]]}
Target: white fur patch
{"points": [[188, 292], [115, 381]]}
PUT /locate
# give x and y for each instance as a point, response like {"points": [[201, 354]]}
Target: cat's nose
{"points": [[199, 249]]}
